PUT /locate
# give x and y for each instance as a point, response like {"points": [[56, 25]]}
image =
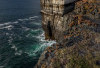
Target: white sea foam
{"points": [[33, 17], [30, 18], [14, 47], [5, 24], [8, 25], [25, 28], [15, 22], [43, 44], [7, 33], [35, 23], [36, 30], [19, 52], [10, 40], [25, 19]]}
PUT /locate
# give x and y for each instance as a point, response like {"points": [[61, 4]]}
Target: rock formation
{"points": [[75, 25], [53, 12]]}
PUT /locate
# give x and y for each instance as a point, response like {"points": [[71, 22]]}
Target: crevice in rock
{"points": [[49, 29]]}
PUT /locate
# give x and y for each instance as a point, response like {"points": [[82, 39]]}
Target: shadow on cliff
{"points": [[69, 7]]}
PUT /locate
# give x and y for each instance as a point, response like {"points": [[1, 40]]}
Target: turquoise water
{"points": [[21, 36]]}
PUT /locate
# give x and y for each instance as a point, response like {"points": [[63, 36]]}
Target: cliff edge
{"points": [[77, 34]]}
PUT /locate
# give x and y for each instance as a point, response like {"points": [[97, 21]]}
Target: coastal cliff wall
{"points": [[54, 19], [77, 33]]}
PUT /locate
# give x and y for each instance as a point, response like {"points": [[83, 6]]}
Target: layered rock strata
{"points": [[77, 33]]}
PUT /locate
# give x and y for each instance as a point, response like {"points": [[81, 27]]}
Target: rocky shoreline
{"points": [[78, 38]]}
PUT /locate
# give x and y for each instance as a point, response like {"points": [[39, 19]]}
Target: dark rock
{"points": [[98, 62]]}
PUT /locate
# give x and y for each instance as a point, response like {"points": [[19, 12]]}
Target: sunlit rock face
{"points": [[56, 6], [53, 12]]}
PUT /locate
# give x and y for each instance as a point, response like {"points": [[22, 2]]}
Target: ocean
{"points": [[21, 36]]}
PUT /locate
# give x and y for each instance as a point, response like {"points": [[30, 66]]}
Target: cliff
{"points": [[77, 33]]}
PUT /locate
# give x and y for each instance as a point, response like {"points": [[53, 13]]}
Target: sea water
{"points": [[21, 36]]}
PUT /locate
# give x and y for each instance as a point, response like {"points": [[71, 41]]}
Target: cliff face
{"points": [[54, 19], [77, 34]]}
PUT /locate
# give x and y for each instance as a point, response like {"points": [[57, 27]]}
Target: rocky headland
{"points": [[77, 34]]}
